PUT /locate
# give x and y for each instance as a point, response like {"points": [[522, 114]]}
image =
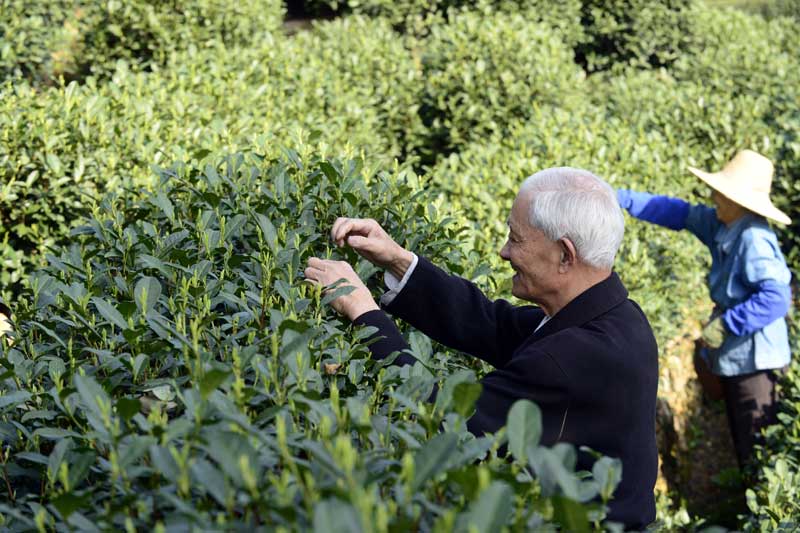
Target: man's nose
{"points": [[504, 252]]}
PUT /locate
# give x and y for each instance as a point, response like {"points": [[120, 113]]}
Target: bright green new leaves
{"points": [[182, 354]]}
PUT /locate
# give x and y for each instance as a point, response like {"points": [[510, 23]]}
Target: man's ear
{"points": [[569, 255]]}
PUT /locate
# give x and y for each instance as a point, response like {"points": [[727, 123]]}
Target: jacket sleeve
{"points": [[765, 271], [703, 223], [662, 210], [672, 213], [454, 312], [387, 340], [770, 302]]}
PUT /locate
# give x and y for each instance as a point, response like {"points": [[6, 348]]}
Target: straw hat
{"points": [[747, 180]]}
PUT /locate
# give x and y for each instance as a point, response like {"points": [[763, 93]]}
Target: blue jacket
{"points": [[592, 369], [748, 281]]}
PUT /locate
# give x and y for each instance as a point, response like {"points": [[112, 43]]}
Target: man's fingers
{"points": [[312, 274], [348, 226], [339, 230], [319, 264], [358, 242]]}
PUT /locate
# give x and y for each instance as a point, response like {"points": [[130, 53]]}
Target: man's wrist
{"points": [[400, 265], [362, 308]]}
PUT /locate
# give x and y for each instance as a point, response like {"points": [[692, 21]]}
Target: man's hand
{"points": [[372, 243], [325, 272]]}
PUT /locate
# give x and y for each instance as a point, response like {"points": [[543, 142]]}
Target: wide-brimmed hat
{"points": [[746, 179]]}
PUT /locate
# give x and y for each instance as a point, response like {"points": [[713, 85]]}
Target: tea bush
{"points": [[743, 57], [484, 69], [349, 86], [640, 32], [773, 501], [602, 33], [45, 40], [475, 95], [417, 16], [171, 370]]}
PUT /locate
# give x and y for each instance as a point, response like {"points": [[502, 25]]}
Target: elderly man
{"points": [[586, 355]]}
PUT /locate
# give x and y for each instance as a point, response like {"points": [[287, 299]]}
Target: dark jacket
{"points": [[592, 369]]}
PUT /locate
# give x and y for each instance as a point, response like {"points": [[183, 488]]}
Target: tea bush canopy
{"points": [[167, 167], [177, 370]]}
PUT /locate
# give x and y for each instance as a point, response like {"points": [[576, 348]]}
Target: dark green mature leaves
{"points": [[524, 428], [146, 293], [110, 313], [186, 363], [490, 512], [433, 458]]}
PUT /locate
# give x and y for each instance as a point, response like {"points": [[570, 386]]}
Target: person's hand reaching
{"points": [[371, 242], [326, 272]]}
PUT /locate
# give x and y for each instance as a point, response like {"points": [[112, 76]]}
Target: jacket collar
{"points": [[728, 235], [591, 303]]}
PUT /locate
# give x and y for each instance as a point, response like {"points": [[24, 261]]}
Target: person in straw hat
{"points": [[745, 342]]}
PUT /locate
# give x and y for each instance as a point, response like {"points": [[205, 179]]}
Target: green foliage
{"points": [[417, 16], [754, 63], [640, 32], [766, 8], [483, 68], [45, 40], [773, 501], [349, 86], [172, 366], [106, 397]]}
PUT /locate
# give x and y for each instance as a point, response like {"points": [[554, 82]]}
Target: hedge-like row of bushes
{"points": [[773, 501], [171, 370], [351, 84], [602, 33], [475, 98], [44, 41]]}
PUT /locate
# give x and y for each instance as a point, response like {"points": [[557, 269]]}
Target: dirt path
{"points": [[698, 463]]}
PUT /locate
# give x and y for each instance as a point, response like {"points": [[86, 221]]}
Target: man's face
{"points": [[534, 258]]}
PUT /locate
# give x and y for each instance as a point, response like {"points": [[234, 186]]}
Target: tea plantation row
{"points": [[170, 368], [473, 100]]}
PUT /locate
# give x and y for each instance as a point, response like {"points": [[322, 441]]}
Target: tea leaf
{"points": [[13, 399], [524, 429], [491, 511], [110, 313], [433, 458], [146, 293], [211, 380]]}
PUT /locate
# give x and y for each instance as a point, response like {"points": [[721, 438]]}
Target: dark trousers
{"points": [[751, 403]]}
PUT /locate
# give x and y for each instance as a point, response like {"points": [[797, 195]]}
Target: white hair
{"points": [[576, 204]]}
